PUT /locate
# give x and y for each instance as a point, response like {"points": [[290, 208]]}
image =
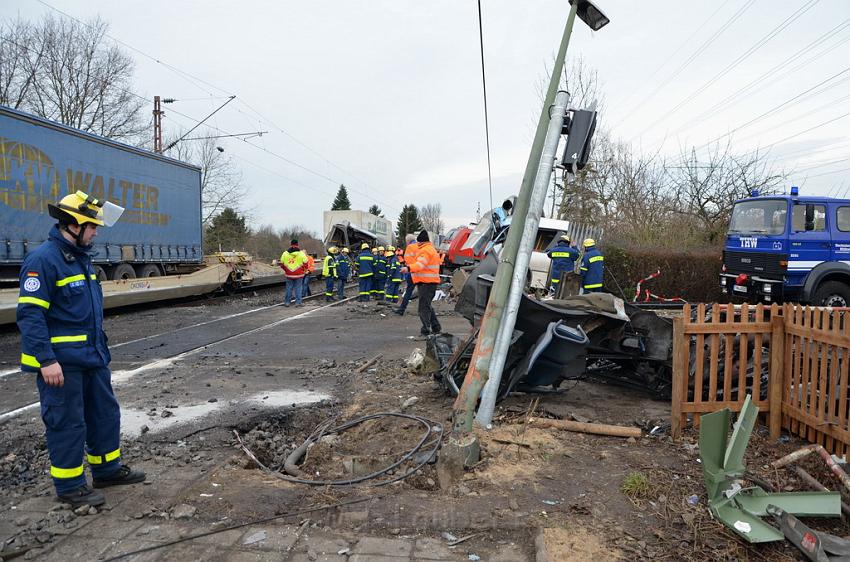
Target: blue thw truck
{"points": [[788, 248], [41, 161]]}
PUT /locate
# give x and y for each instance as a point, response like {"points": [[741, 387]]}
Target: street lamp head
{"points": [[590, 14]]}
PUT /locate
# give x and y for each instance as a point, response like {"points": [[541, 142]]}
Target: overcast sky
{"points": [[385, 95]]}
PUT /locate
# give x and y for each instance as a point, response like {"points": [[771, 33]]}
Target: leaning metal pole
{"points": [[479, 366], [526, 245]]}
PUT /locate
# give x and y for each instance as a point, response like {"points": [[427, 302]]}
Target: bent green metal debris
{"points": [[740, 508]]}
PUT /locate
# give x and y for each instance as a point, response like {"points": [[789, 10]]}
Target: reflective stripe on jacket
{"points": [[426, 267], [329, 266], [60, 308], [365, 263], [563, 258], [592, 269], [294, 263]]}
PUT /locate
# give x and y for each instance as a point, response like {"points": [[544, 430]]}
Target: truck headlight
{"points": [[722, 280], [767, 287]]}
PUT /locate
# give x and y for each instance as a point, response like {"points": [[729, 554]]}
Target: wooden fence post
{"points": [[679, 377], [776, 376]]}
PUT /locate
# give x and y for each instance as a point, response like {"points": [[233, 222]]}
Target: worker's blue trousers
{"points": [[81, 416], [329, 287], [392, 291], [365, 288]]}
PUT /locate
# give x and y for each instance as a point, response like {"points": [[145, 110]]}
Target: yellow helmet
{"points": [[333, 250], [345, 250], [364, 246], [391, 248], [588, 242], [77, 208], [566, 238], [381, 249]]}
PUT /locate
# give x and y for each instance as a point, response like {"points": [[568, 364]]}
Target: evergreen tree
{"points": [[341, 202], [408, 223], [375, 210], [227, 231]]}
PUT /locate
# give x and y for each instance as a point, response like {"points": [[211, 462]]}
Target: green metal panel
{"points": [[737, 446]]}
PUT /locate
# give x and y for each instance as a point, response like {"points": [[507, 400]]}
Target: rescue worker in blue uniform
{"points": [[366, 268], [563, 257], [393, 275], [60, 317], [592, 268], [329, 266], [343, 272], [378, 291]]}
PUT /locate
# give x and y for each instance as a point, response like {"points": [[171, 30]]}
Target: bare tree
{"points": [[66, 71], [709, 188], [431, 217], [221, 180], [20, 58]]}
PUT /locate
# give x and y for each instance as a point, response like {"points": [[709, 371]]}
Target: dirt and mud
{"points": [[535, 490]]}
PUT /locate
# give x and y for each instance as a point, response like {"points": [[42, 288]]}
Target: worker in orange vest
{"points": [[425, 271], [310, 268]]}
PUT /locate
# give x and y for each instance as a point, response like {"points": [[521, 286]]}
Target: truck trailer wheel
{"points": [[832, 293], [123, 271], [149, 270], [101, 274]]}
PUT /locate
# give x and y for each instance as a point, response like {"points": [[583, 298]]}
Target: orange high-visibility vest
{"points": [[425, 268]]}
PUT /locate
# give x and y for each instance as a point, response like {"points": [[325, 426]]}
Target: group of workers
{"points": [[564, 257]]}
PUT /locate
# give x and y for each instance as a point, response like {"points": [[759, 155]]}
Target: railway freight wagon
{"points": [[41, 161]]}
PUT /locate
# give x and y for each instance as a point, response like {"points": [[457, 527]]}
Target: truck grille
{"points": [[756, 263]]}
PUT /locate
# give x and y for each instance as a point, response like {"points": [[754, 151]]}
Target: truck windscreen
{"points": [[765, 216]]}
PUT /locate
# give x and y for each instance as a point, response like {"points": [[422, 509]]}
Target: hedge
{"points": [[692, 275]]}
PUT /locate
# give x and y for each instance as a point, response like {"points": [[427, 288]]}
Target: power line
{"points": [[484, 90], [741, 58], [195, 80], [738, 96], [699, 50], [673, 54]]}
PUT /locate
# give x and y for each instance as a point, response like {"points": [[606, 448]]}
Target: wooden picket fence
{"points": [[792, 360]]}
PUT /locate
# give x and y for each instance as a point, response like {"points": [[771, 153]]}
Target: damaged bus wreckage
{"points": [[595, 335]]}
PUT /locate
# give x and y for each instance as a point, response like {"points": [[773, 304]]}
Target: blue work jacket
{"points": [[592, 268], [60, 308], [343, 267], [563, 258], [366, 263]]}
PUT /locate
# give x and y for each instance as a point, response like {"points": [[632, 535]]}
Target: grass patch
{"points": [[636, 485]]}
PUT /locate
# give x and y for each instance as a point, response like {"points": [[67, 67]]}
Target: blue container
{"points": [[42, 161]]}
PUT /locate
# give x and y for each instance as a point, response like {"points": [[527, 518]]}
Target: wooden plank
{"points": [[708, 407], [804, 372], [837, 433], [832, 392], [811, 395], [830, 337], [823, 383], [699, 359], [727, 367], [714, 356], [729, 328], [680, 389], [758, 342], [792, 345], [842, 382], [776, 376], [743, 355]]}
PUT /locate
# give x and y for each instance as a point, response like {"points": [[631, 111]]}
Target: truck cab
{"points": [[783, 248]]}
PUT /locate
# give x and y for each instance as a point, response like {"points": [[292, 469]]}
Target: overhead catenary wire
{"points": [[197, 81], [484, 92], [697, 52], [742, 93], [731, 66]]}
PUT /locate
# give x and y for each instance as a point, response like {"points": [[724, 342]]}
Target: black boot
{"points": [[124, 475], [84, 495]]}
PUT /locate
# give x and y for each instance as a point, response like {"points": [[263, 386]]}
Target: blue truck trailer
{"points": [[788, 248], [160, 232]]}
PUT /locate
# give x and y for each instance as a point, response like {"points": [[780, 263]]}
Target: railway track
{"points": [[158, 349]]}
